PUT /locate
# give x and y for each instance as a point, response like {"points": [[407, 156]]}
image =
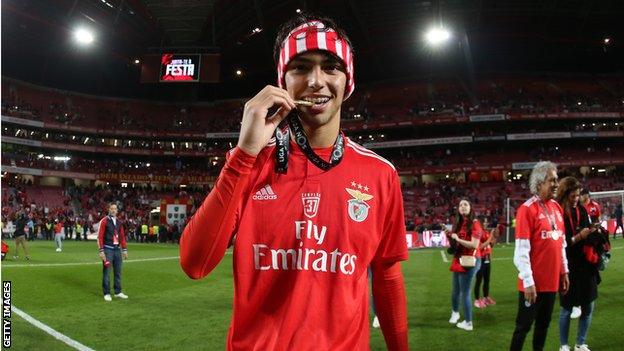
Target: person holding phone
{"points": [[584, 275]]}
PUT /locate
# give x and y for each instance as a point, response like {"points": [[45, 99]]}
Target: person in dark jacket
{"points": [[112, 243], [584, 276], [21, 233]]}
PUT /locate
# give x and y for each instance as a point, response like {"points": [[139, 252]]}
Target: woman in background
{"points": [[584, 276], [465, 237]]}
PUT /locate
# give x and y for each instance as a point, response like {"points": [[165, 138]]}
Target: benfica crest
{"points": [[357, 207], [311, 203]]}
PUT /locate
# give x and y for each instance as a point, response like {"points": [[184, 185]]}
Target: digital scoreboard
{"points": [[179, 68]]}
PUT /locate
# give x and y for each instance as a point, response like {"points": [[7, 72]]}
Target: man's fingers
{"points": [[283, 93], [279, 116], [267, 98], [273, 100]]}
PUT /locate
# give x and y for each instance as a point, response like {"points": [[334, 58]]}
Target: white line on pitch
{"points": [[86, 263], [64, 338], [443, 256], [92, 263]]}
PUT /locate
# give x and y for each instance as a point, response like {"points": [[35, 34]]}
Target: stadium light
{"points": [[606, 41], [62, 158], [137, 61], [437, 36], [298, 10], [239, 72], [83, 36]]}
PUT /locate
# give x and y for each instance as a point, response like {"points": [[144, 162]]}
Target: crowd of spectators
{"points": [[381, 101], [84, 206], [119, 165], [428, 206]]}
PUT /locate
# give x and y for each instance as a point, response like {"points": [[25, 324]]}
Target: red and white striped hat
{"points": [[314, 36]]}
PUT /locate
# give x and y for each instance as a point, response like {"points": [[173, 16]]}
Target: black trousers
{"points": [[540, 312], [483, 275]]}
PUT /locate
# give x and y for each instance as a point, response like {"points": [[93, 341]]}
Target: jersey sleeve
{"points": [[393, 244], [209, 231], [522, 249], [391, 304], [477, 230], [523, 223], [101, 230]]}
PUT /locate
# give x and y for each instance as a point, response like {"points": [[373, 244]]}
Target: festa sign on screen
{"points": [[179, 68]]}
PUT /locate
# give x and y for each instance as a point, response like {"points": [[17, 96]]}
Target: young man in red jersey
{"points": [[539, 256], [592, 207], [307, 212]]}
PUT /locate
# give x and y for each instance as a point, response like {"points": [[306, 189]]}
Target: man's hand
{"points": [[125, 255], [495, 233], [565, 284], [530, 294], [585, 233], [257, 128], [103, 256]]}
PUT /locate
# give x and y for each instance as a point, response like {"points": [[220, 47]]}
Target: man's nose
{"points": [[316, 77]]}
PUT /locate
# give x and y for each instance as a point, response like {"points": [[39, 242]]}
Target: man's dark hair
{"points": [[585, 191], [300, 19]]}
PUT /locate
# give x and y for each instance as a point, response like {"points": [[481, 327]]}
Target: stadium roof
{"points": [[502, 36]]}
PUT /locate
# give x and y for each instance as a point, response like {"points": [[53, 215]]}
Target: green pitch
{"points": [[168, 311]]}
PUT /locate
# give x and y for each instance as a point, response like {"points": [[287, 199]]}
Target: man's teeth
{"points": [[317, 101]]}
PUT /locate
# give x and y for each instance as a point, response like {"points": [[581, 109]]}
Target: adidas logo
{"points": [[265, 193]]}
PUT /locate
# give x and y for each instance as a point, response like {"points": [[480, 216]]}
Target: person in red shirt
{"points": [[58, 235], [539, 256], [464, 237], [307, 212], [112, 244], [483, 275], [592, 207]]}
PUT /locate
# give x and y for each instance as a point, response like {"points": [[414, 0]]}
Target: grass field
{"points": [[168, 311]]}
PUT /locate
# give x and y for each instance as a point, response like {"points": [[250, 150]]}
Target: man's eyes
{"points": [[333, 67], [328, 67]]}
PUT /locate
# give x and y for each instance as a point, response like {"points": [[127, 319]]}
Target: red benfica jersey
{"points": [[488, 249], [477, 232], [593, 210], [546, 244], [303, 243]]}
